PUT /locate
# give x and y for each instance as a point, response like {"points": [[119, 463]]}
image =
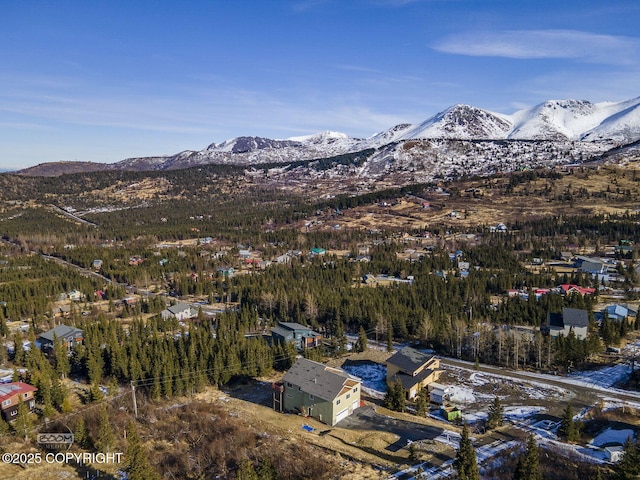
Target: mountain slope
{"points": [[612, 123], [462, 122]]}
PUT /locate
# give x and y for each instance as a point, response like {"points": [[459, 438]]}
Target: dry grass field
{"points": [[609, 190]]}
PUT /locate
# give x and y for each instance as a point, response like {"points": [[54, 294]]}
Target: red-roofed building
{"points": [[10, 396], [568, 289]]}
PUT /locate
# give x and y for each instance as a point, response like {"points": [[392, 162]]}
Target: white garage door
{"points": [[342, 415]]}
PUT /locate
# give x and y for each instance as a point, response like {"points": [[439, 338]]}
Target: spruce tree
{"points": [[24, 420], [4, 427], [421, 403], [569, 429], [465, 462], [361, 345], [106, 439], [394, 399], [138, 465], [528, 467], [246, 471], [266, 470], [496, 414], [60, 354], [628, 467], [80, 434]]}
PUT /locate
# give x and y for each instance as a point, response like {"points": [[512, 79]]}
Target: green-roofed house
{"points": [[324, 393]]}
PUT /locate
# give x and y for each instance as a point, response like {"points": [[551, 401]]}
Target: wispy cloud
{"points": [[541, 44], [305, 5], [25, 126]]}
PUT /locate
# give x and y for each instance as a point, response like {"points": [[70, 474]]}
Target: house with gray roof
{"points": [[413, 369], [180, 311], [325, 393], [570, 320], [69, 336], [290, 332]]}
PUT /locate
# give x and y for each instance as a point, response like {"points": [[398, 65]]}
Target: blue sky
{"points": [[106, 80]]}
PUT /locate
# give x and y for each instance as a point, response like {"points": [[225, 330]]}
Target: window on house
{"points": [[6, 402], [14, 413], [338, 402], [289, 384], [348, 396], [355, 389], [25, 395], [311, 397]]}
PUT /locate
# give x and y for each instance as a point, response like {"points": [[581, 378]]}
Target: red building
{"points": [[11, 394]]}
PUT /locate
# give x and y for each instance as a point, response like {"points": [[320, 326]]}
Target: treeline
{"points": [[159, 356], [30, 284]]}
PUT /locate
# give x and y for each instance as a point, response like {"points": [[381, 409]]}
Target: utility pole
{"points": [[135, 404]]}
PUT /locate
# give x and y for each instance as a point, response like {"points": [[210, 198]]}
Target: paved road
{"points": [[584, 395]]}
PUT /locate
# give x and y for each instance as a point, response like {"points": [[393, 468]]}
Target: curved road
{"points": [[585, 394]]}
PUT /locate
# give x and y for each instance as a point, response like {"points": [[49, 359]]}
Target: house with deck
{"points": [[69, 336], [325, 393], [290, 332], [414, 369], [14, 393]]}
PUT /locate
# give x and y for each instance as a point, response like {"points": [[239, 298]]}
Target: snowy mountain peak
{"points": [[622, 127], [462, 122], [569, 120], [321, 137], [596, 125]]}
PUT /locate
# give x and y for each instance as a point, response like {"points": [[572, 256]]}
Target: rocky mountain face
{"points": [[462, 138]]}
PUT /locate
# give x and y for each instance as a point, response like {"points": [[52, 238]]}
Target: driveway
{"points": [[366, 418]]}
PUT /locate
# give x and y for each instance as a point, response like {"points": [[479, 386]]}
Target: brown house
{"points": [[414, 369], [11, 394]]}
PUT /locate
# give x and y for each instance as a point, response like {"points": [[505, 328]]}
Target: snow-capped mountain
{"points": [[622, 126], [551, 120], [462, 122], [595, 127]]}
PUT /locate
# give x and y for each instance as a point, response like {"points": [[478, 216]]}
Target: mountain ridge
{"points": [[577, 121]]}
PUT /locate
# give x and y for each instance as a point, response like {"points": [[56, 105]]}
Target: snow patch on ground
{"points": [[478, 379], [611, 436], [522, 412], [373, 375], [603, 377], [461, 394]]}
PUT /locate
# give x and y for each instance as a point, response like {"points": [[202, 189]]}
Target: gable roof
{"points": [[8, 390], [62, 331], [179, 308], [409, 359], [293, 326], [409, 381], [574, 317], [320, 380], [569, 288], [617, 310]]}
